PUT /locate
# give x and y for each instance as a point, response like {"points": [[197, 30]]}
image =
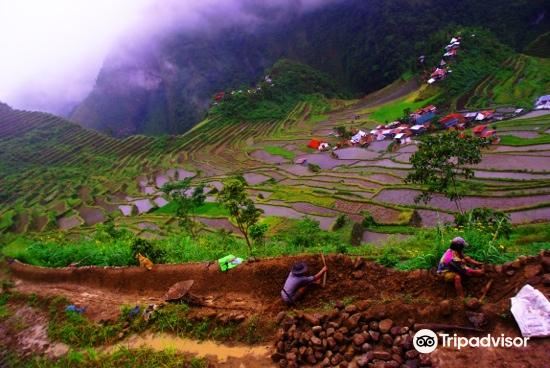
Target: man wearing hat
{"points": [[453, 266], [296, 282]]}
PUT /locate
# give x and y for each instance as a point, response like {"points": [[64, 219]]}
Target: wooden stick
{"points": [[485, 290], [442, 326], [325, 274]]}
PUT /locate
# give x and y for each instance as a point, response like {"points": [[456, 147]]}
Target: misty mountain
{"points": [[165, 85]]}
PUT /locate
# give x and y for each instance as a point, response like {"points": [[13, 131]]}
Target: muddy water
{"points": [[222, 353]]}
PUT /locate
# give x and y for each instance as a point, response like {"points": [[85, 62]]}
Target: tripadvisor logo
{"points": [[426, 341]]}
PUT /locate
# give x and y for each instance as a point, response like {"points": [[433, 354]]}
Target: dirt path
{"points": [[253, 289]]}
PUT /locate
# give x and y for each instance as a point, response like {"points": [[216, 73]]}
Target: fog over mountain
{"points": [[52, 51]]}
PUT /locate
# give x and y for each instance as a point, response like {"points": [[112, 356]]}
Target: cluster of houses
{"points": [[220, 96], [441, 71], [418, 123]]}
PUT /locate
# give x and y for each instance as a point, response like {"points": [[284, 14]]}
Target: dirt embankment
{"points": [[347, 313], [254, 287]]}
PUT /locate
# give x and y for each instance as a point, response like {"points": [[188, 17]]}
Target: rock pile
{"points": [[348, 337]]}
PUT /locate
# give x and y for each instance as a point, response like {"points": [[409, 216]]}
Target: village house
{"points": [[452, 120], [479, 130], [423, 115], [543, 103], [418, 129], [485, 115]]}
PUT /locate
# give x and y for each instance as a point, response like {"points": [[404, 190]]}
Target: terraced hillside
{"points": [[59, 175], [519, 78]]}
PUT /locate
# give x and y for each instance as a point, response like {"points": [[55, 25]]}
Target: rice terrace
{"points": [[170, 217]]}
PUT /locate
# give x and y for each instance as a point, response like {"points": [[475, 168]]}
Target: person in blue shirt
{"points": [[297, 282]]}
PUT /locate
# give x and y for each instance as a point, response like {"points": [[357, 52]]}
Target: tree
{"points": [[241, 208], [441, 160], [186, 201]]}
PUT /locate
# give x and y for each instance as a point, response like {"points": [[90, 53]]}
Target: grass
{"points": [[279, 151], [123, 357], [511, 140], [300, 194], [394, 110], [208, 209], [420, 250]]}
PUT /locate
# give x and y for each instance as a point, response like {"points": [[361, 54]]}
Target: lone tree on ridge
{"points": [[441, 160]]}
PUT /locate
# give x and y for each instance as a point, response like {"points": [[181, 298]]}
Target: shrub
{"points": [[314, 167], [389, 257], [493, 221], [341, 220], [147, 249], [368, 220]]}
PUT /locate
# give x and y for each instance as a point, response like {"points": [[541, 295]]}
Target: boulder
{"points": [[385, 325], [373, 325], [366, 347], [387, 340], [395, 330], [351, 309], [316, 329], [312, 319], [358, 275], [316, 341], [352, 321], [411, 354], [358, 339], [382, 355], [375, 335], [363, 305]]}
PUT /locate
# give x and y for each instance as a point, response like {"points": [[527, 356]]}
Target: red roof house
{"points": [[314, 143], [478, 130], [451, 120]]}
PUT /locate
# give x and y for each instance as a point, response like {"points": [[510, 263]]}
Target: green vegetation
{"points": [[242, 210], [292, 237], [122, 357], [481, 56], [441, 160], [518, 82], [395, 110], [292, 83], [511, 140], [208, 209], [186, 204], [279, 151]]}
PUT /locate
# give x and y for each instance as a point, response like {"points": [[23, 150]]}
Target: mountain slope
{"points": [[362, 45]]}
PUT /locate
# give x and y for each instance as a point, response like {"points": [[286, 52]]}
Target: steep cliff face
{"points": [[168, 88], [166, 85]]}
